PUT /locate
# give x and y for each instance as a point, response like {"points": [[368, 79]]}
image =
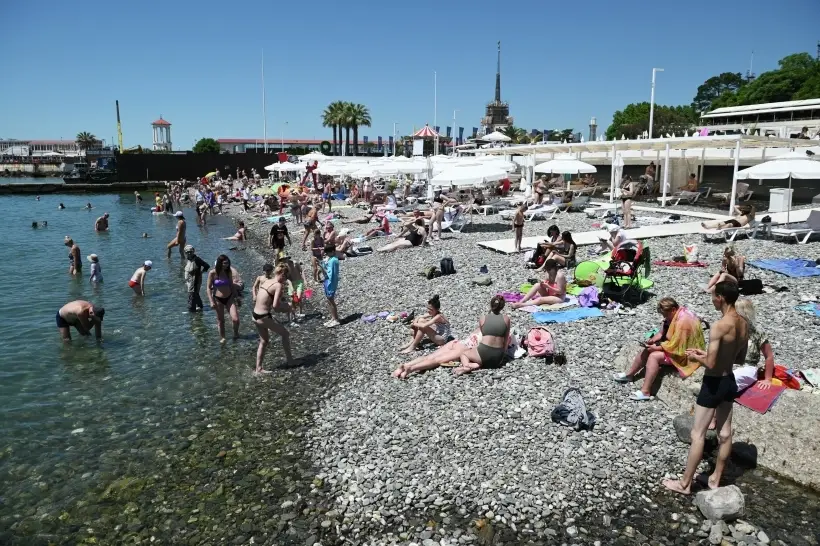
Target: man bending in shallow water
{"points": [[728, 341], [82, 315]]}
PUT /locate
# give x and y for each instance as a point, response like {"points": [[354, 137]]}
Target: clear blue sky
{"points": [[198, 63]]}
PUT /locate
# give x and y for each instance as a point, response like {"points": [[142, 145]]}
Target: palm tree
{"points": [[85, 140], [516, 134], [346, 118], [329, 120], [332, 117], [360, 115]]}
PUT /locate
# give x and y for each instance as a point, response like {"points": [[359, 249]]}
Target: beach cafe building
{"points": [[674, 157]]}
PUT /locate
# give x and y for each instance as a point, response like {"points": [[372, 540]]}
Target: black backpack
{"points": [[447, 267]]}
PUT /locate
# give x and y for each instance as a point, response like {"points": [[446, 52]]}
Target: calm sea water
{"points": [[63, 406]]}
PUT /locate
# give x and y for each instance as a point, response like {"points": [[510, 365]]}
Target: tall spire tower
{"points": [[497, 114], [498, 75]]}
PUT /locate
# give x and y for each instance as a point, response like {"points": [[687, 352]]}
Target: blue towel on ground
{"points": [[791, 267], [570, 315]]}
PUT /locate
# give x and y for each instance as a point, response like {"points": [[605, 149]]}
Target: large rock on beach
{"points": [[724, 503], [683, 428], [783, 440]]}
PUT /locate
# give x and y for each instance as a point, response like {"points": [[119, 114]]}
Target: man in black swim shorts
{"points": [[728, 341]]}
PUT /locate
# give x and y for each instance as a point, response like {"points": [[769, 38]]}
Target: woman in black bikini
{"points": [[269, 295], [221, 295], [627, 193]]}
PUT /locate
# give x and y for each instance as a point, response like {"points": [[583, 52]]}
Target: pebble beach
{"points": [[439, 459]]}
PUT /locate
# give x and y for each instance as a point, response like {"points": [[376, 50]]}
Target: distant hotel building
{"points": [[781, 119], [40, 148], [252, 145]]}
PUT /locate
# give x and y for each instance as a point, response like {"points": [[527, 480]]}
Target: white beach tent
{"points": [[796, 164], [496, 136], [565, 166]]}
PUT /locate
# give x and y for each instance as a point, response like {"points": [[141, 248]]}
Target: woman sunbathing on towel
{"points": [[416, 236], [492, 351], [744, 215], [449, 352], [732, 268], [433, 325], [551, 290]]}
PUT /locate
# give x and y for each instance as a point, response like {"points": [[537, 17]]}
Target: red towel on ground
{"points": [[760, 400], [669, 263]]}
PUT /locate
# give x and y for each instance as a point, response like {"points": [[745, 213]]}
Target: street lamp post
{"points": [[652, 101], [394, 138], [283, 135], [453, 142]]}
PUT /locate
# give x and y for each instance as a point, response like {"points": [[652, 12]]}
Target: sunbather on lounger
{"points": [[448, 352], [732, 268], [744, 215], [553, 289]]}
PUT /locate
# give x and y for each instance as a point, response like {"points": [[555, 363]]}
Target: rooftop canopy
{"points": [[785, 106], [674, 143]]}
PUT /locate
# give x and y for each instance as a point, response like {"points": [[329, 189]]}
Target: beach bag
{"points": [[690, 253], [540, 343], [588, 297], [750, 287], [447, 267], [572, 411]]}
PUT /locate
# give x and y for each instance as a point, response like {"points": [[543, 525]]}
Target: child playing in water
{"points": [[96, 270], [137, 282]]}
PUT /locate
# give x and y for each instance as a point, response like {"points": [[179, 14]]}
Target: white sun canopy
{"points": [[468, 176]]}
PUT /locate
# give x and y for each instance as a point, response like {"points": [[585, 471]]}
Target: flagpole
{"points": [[264, 112], [435, 110]]}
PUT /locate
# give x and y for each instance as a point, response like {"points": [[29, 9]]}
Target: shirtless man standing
{"points": [[179, 240], [269, 295], [82, 315], [102, 223], [728, 341]]}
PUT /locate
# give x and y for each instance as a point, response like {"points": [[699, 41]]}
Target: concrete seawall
{"points": [[61, 187]]}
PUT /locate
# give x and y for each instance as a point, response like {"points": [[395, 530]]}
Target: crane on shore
{"points": [[119, 128]]}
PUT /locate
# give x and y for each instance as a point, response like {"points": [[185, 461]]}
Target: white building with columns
{"points": [[162, 135]]}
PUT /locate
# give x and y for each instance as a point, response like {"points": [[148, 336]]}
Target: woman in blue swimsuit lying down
{"points": [[222, 296]]}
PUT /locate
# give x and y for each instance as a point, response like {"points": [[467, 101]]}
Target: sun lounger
{"points": [[804, 229], [743, 193], [454, 220], [689, 196], [730, 233]]}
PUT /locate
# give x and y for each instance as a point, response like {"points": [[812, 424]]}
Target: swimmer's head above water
{"points": [[144, 235]]}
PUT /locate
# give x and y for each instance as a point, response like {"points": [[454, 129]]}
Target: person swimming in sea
{"points": [[60, 206], [145, 236], [88, 206]]}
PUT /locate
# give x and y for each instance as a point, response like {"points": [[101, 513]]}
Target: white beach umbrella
{"points": [[496, 136], [797, 164], [467, 175], [313, 156], [289, 167], [329, 169], [565, 166]]}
